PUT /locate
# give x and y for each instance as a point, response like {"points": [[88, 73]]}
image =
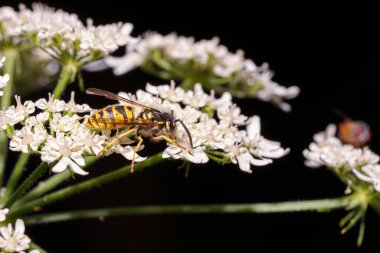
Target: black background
{"points": [[330, 53]]}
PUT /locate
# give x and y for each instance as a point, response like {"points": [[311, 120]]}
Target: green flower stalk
{"points": [[356, 167]]}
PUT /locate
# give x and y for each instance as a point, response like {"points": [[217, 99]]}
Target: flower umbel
{"points": [[207, 62], [63, 35], [353, 165], [53, 131]]}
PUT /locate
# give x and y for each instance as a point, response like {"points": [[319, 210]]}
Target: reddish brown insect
{"points": [[354, 132]]}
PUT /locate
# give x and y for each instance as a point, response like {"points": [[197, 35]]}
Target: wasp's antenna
{"points": [[340, 113], [187, 132]]}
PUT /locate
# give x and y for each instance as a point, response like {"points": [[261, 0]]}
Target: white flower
{"points": [[259, 146], [38, 120], [18, 113], [261, 78], [170, 93], [242, 156], [231, 114], [197, 155], [73, 107], [4, 120], [51, 105], [197, 98], [370, 173], [3, 213], [128, 152], [64, 123], [3, 82], [208, 133], [64, 149], [92, 143], [14, 240], [275, 94], [9, 21], [2, 59], [105, 38], [27, 138]]}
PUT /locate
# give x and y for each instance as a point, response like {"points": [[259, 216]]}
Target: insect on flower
{"points": [[354, 132], [149, 123]]}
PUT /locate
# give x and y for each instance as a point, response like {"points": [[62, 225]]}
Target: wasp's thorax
{"points": [[162, 121]]}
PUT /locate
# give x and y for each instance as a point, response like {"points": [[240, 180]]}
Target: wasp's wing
{"points": [[126, 122], [113, 96]]}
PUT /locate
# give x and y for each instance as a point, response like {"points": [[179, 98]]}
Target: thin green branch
{"points": [[66, 76], [84, 186], [51, 183], [27, 184], [359, 242], [35, 246], [320, 205], [16, 174]]}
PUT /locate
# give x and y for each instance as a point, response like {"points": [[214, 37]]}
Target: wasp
{"points": [[149, 123], [354, 132]]}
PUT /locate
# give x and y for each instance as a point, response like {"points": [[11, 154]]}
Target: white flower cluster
{"points": [[53, 131], [213, 136], [179, 56], [57, 31], [327, 150], [3, 79], [59, 137], [14, 239]]}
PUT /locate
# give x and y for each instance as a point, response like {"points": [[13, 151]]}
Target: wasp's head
{"points": [[170, 122]]}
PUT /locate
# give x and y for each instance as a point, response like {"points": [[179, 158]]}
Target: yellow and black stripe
{"points": [[111, 117]]}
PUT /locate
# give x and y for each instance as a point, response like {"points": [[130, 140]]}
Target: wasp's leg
{"points": [[135, 151], [116, 138], [164, 137]]}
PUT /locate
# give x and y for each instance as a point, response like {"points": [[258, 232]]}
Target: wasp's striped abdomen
{"points": [[111, 117]]}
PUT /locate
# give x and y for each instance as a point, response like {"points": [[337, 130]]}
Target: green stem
{"points": [[27, 184], [9, 68], [50, 183], [319, 205], [66, 76], [15, 176], [359, 242], [187, 84], [87, 185], [35, 246]]}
